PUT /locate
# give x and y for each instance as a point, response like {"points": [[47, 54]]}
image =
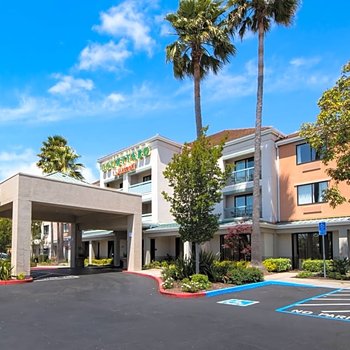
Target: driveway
{"points": [[121, 311]]}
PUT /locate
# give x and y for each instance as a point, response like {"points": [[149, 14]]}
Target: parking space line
{"points": [[307, 308]]}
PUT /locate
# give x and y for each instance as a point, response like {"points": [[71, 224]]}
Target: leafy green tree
{"points": [[330, 134], [5, 234], [197, 181], [57, 156], [257, 16], [203, 44]]}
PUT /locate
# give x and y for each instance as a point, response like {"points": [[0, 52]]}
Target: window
{"points": [[311, 193], [305, 154], [244, 205], [46, 229], [146, 178], [243, 170]]}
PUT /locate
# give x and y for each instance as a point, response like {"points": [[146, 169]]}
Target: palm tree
{"points": [[57, 156], [203, 44], [257, 16]]}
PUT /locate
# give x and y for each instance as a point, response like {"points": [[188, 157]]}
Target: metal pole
{"points": [[324, 257]]}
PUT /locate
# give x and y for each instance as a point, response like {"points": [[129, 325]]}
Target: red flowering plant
{"points": [[237, 240]]}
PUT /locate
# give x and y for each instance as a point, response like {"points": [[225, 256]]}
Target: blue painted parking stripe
{"points": [[213, 293]]}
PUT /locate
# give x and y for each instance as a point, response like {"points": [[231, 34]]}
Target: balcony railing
{"points": [[243, 175], [238, 212], [141, 188]]}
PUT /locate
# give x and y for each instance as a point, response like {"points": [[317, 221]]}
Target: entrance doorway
{"points": [[309, 246]]}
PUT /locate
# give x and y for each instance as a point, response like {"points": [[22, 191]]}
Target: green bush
{"points": [[195, 283], [185, 268], [202, 280], [169, 272], [340, 266], [21, 276], [315, 265], [99, 262], [304, 274], [240, 276], [277, 264], [168, 283], [5, 270]]}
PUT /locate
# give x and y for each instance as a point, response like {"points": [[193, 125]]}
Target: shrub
{"points": [[195, 283], [340, 266], [21, 276], [99, 262], [188, 286], [153, 265], [202, 280], [169, 272], [5, 270], [337, 276], [304, 274], [240, 276], [315, 265], [184, 268], [206, 264], [168, 283], [277, 264]]}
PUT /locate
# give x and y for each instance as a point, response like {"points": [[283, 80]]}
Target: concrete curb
{"points": [[11, 282], [163, 291]]}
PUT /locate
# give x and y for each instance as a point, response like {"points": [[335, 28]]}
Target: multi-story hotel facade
{"points": [[292, 180]]}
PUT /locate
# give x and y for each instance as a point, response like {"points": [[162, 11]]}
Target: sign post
{"points": [[322, 231]]}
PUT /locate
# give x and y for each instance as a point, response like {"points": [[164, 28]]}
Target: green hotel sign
{"points": [[131, 156]]}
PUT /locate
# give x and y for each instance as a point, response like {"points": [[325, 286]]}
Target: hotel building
{"points": [[292, 180]]}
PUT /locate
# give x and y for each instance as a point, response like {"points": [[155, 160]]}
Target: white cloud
{"points": [[108, 56], [127, 20], [304, 61], [113, 101], [70, 85], [13, 162]]}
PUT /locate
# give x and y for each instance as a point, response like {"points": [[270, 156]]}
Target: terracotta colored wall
{"points": [[292, 175]]}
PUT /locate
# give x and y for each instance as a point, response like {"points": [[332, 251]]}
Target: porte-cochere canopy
{"points": [[26, 197]]}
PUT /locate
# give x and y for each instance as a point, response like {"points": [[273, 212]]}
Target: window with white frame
{"points": [[312, 193]]}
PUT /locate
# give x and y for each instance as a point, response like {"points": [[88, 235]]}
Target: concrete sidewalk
{"points": [[280, 277]]}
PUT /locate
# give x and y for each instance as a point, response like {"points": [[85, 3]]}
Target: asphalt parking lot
{"points": [[121, 311]]}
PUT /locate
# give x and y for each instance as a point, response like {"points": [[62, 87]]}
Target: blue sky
{"points": [[95, 73]]}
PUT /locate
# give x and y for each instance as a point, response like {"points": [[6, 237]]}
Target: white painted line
{"points": [[56, 278], [340, 304], [335, 311]]}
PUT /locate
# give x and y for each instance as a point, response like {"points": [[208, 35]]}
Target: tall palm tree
{"points": [[203, 44], [257, 16], [55, 156]]}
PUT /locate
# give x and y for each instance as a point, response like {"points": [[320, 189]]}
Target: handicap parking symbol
{"points": [[238, 302]]}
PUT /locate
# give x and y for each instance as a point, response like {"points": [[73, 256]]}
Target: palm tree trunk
{"points": [[198, 114], [256, 234], [197, 96]]}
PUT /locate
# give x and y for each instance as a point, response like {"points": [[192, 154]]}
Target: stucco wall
{"points": [[291, 175]]}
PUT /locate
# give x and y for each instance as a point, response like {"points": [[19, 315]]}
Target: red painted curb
{"points": [[167, 292], [10, 282]]}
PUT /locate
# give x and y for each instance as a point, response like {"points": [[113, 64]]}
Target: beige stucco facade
{"points": [[24, 198]]}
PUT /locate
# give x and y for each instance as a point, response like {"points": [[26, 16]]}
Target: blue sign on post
{"points": [[322, 228]]}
